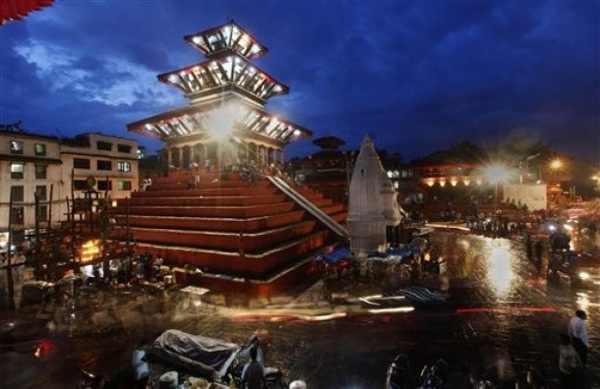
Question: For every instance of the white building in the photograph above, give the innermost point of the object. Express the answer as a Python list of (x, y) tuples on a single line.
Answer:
[(29, 165), (372, 203), (57, 170), (106, 164)]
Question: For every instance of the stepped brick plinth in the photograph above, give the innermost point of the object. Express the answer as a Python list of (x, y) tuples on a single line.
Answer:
[(234, 226), (243, 236)]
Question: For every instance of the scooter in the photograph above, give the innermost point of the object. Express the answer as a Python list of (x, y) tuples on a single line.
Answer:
[(398, 374), (88, 380), (434, 376)]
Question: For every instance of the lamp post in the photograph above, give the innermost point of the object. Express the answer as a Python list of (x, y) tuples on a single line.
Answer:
[(555, 165)]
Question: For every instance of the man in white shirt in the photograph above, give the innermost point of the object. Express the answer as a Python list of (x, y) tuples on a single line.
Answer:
[(579, 335), (141, 370)]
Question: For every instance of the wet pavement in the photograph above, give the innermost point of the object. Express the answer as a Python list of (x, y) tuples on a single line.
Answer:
[(501, 314)]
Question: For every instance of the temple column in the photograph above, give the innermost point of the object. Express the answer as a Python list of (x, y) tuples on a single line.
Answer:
[(169, 157)]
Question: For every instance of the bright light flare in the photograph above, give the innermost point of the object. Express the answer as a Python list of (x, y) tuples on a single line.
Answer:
[(500, 273), (555, 164), (221, 122), (391, 310), (496, 173), (89, 250), (506, 310)]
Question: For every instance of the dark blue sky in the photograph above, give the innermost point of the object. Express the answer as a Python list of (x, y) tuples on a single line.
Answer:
[(415, 75)]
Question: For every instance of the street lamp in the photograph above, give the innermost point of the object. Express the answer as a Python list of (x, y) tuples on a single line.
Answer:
[(556, 164)]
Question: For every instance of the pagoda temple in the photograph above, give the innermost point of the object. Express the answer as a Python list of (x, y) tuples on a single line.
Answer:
[(226, 216), (225, 121)]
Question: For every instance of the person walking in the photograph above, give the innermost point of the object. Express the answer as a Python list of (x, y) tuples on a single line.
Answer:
[(579, 335), (569, 364)]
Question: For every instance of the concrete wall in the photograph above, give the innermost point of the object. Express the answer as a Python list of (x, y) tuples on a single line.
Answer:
[(532, 195)]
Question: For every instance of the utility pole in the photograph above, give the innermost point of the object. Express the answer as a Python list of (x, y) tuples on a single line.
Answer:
[(9, 274)]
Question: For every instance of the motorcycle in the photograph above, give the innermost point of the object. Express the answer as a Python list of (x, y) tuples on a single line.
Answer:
[(434, 376), (398, 374), (89, 380)]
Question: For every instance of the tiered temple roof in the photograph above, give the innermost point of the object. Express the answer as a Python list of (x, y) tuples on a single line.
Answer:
[(227, 38), (226, 85)]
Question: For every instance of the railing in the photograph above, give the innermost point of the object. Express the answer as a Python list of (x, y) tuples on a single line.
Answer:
[(310, 207)]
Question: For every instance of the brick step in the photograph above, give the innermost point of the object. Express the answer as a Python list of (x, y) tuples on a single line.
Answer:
[(209, 191), (231, 262), (214, 201), (217, 223), (199, 200), (211, 211), (219, 240), (185, 178)]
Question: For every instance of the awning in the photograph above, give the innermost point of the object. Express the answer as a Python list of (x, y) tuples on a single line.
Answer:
[(18, 9)]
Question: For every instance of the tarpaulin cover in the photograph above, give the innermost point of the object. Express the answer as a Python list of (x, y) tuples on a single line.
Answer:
[(198, 355), (404, 251), (336, 256)]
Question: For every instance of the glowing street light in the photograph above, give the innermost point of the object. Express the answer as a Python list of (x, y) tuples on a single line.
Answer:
[(556, 164)]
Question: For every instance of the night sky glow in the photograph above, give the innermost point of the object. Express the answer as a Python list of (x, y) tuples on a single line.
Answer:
[(415, 75)]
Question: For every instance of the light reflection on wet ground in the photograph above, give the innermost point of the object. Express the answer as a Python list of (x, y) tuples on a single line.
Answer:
[(515, 318)]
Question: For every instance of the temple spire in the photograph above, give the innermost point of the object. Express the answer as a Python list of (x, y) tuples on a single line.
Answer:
[(372, 201)]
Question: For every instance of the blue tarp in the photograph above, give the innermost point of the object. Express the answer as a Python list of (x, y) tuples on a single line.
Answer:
[(335, 256), (404, 251)]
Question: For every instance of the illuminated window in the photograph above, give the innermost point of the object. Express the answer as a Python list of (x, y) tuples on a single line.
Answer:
[(40, 149), (41, 172), (16, 147), (124, 185), (123, 166), (16, 170)]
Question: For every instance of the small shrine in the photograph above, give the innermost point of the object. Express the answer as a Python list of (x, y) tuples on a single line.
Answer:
[(372, 205)]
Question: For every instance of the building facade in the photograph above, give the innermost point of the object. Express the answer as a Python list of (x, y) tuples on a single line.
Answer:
[(105, 164), (30, 174), (40, 174)]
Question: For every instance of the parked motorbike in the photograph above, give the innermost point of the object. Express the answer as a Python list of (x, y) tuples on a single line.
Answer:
[(434, 376), (399, 374), (89, 380)]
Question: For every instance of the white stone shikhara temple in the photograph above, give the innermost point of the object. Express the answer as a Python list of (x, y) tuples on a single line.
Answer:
[(372, 203)]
